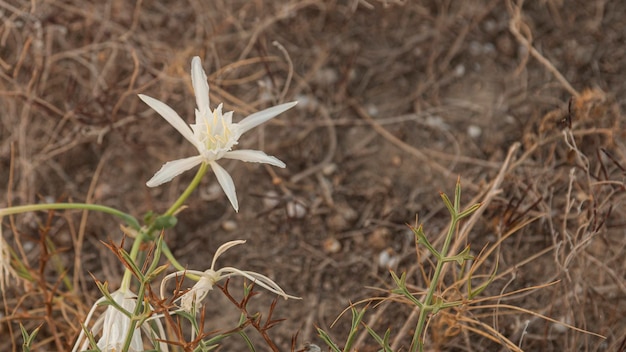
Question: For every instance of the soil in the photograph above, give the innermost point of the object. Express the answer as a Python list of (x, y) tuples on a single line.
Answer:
[(520, 101)]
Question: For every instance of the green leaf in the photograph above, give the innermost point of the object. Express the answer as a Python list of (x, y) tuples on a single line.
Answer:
[(148, 218), (457, 195), (461, 257), (329, 342), (469, 210), (357, 317), (421, 239), (154, 270), (383, 342), (448, 204), (131, 264), (165, 222), (473, 293), (247, 340), (28, 338), (402, 289), (439, 303)]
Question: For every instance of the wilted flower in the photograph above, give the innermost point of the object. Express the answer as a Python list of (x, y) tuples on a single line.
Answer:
[(213, 134), (209, 277), (113, 326)]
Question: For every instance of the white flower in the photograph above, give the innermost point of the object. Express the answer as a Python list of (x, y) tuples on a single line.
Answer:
[(214, 134), (113, 325), (208, 278)]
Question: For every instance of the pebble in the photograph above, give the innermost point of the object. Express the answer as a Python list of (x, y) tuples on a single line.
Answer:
[(229, 225), (331, 245)]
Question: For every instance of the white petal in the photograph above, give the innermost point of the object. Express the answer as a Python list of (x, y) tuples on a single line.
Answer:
[(196, 294), (116, 324), (81, 345), (176, 275), (223, 248), (170, 116), (228, 118), (172, 169), (258, 279), (260, 117), (200, 85), (254, 156), (224, 179)]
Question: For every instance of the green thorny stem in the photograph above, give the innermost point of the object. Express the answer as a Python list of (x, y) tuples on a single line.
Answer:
[(455, 216)]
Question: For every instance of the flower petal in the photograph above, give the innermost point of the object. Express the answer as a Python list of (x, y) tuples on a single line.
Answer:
[(224, 179), (170, 116), (176, 275), (223, 248), (258, 279), (172, 169), (260, 117), (254, 156), (82, 342), (116, 324), (200, 86), (193, 297)]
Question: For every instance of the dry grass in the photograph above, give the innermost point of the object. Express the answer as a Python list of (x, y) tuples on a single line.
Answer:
[(397, 99)]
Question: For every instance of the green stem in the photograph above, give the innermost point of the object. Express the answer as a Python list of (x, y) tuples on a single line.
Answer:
[(192, 186), (129, 219), (171, 258), (147, 233), (168, 254), (140, 298), (421, 321)]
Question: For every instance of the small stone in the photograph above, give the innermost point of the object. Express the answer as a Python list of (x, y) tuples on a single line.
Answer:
[(326, 76), (295, 210), (229, 225), (271, 200), (348, 213), (379, 237), (474, 131), (331, 245), (308, 347), (337, 223), (372, 110), (396, 160), (388, 259), (459, 70), (329, 169)]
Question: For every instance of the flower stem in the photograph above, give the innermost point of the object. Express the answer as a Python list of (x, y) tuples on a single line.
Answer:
[(170, 256), (129, 219), (144, 233), (192, 186)]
